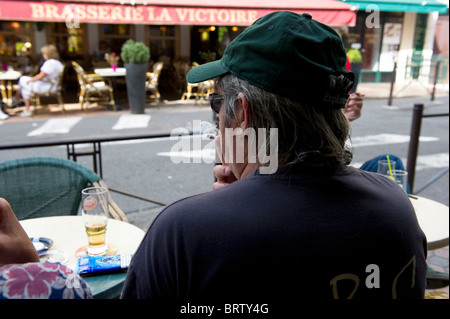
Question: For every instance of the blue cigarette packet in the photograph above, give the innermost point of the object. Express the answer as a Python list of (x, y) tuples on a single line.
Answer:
[(91, 265)]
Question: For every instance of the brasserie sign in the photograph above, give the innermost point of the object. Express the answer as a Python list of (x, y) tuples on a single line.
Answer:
[(109, 13), (75, 13)]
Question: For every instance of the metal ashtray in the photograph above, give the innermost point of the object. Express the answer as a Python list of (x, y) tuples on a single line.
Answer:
[(41, 243)]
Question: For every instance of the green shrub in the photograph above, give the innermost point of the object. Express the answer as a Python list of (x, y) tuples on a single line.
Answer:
[(135, 52)]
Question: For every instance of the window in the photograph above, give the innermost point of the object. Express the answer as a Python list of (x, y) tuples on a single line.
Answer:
[(15, 39), (163, 41), (71, 42), (113, 36), (209, 42)]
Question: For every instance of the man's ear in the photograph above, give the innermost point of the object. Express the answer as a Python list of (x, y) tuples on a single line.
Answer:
[(244, 112)]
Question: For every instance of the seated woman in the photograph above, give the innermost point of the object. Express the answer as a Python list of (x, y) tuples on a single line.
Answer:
[(41, 281), (23, 276), (41, 82)]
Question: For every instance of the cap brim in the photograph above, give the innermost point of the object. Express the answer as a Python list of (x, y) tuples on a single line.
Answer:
[(206, 71)]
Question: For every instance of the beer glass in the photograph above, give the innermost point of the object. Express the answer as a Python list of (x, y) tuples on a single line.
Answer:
[(401, 177), (94, 201)]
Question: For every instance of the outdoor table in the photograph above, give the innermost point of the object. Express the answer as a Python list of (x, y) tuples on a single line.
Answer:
[(433, 219), (7, 88), (109, 72), (68, 235)]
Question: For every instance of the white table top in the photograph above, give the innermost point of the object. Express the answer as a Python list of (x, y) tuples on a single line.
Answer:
[(109, 72), (433, 219), (68, 234), (10, 75)]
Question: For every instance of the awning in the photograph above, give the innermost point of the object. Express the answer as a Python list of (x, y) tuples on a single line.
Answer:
[(419, 6), (171, 12)]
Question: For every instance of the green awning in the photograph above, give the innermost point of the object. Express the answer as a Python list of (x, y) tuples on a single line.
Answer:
[(420, 6)]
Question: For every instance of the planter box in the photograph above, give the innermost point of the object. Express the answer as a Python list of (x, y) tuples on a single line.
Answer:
[(135, 79)]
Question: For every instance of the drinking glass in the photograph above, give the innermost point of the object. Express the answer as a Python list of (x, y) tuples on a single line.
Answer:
[(399, 176), (383, 166), (94, 201)]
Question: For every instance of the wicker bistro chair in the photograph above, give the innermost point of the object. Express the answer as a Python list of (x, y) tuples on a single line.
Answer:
[(54, 90), (151, 85), (93, 88), (198, 90), (47, 186)]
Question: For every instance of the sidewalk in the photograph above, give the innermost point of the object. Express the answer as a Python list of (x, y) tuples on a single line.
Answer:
[(411, 89), (369, 90)]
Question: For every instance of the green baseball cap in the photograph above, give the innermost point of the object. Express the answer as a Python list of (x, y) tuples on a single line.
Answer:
[(285, 53)]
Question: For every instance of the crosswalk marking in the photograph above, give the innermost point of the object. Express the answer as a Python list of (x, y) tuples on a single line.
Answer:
[(64, 125), (438, 160), (207, 155), (381, 139), (56, 126), (128, 121)]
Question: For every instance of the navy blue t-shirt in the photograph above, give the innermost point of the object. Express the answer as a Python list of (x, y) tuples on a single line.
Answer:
[(286, 236)]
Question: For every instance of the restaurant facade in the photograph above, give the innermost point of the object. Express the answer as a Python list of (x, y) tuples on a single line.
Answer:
[(199, 30), (408, 35)]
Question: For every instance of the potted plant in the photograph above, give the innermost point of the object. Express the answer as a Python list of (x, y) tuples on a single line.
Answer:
[(135, 56)]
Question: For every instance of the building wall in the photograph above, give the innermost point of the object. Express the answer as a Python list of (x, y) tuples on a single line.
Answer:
[(406, 46)]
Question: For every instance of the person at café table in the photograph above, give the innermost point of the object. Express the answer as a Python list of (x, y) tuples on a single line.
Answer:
[(41, 82), (23, 276), (298, 223)]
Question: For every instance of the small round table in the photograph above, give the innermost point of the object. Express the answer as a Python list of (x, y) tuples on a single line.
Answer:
[(433, 219), (68, 235)]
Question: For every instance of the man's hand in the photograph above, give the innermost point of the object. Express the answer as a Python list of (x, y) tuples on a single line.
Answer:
[(353, 106), (224, 176)]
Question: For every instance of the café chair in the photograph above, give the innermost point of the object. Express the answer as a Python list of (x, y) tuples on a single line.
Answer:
[(437, 295), (198, 90), (151, 85), (93, 88), (181, 69), (46, 186), (55, 90)]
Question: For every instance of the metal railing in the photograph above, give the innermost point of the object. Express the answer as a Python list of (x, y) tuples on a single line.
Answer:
[(431, 70), (414, 147)]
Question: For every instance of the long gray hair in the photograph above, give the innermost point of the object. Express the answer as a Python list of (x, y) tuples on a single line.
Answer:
[(310, 136)]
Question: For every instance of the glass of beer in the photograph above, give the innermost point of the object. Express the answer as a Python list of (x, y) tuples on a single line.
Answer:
[(94, 202)]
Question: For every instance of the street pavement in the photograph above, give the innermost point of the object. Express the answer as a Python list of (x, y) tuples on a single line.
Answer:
[(166, 170)]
